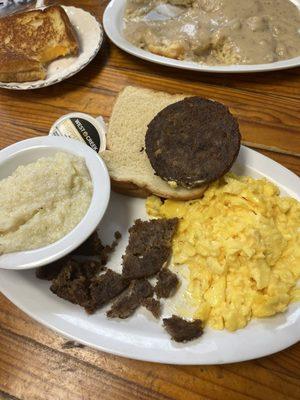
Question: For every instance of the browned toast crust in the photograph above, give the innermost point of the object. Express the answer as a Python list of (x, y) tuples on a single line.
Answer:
[(18, 35), (70, 31), (19, 68), (33, 38), (23, 76), (130, 189), (10, 61)]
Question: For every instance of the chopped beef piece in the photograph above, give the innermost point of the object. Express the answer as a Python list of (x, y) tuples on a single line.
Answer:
[(131, 299), (153, 306), (73, 281), (151, 234), (147, 265), (104, 288), (74, 276), (181, 330), (50, 271), (114, 244), (91, 268), (91, 247), (149, 247), (167, 283), (117, 235), (71, 285)]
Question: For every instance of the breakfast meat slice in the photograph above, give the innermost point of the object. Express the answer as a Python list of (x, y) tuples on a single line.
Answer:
[(137, 266), (167, 283), (90, 268), (131, 299), (149, 247), (117, 236), (50, 271), (152, 305), (193, 142), (72, 283), (104, 288), (181, 330), (86, 268), (92, 246), (145, 235)]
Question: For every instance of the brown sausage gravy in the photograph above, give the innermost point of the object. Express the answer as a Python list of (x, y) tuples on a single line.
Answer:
[(215, 32)]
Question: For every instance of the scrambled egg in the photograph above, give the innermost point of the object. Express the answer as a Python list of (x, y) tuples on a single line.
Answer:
[(241, 243)]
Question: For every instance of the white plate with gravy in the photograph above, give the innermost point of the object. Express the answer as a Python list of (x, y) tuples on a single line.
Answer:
[(113, 22)]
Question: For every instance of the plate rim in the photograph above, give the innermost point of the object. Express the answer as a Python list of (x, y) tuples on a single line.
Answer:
[(135, 356), (111, 15), (169, 356), (48, 82)]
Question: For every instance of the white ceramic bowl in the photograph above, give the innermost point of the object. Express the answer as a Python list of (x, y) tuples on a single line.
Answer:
[(30, 150)]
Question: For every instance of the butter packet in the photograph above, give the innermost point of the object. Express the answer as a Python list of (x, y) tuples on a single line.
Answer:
[(82, 127)]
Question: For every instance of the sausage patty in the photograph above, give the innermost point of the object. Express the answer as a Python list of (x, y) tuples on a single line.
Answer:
[(193, 141)]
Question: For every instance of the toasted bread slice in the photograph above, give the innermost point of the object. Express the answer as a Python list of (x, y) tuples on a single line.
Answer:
[(127, 162), (43, 35), (19, 68)]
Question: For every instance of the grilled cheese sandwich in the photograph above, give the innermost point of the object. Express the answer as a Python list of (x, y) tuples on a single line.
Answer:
[(32, 39), (19, 68)]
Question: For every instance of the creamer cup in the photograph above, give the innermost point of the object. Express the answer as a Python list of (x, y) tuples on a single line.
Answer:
[(82, 127)]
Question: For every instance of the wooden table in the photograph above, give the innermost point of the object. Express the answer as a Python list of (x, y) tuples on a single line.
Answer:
[(35, 363)]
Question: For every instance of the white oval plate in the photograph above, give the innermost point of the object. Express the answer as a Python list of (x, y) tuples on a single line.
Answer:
[(141, 337), (113, 25), (90, 35)]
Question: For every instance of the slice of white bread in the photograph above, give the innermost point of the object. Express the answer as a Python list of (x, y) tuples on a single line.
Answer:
[(127, 162)]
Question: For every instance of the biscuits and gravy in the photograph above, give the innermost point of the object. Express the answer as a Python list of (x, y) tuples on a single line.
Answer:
[(215, 32)]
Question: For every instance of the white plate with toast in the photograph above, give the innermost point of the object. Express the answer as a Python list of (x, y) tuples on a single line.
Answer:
[(90, 36), (113, 25), (141, 336)]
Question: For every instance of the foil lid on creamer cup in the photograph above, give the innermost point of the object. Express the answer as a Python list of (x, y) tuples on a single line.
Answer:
[(83, 127)]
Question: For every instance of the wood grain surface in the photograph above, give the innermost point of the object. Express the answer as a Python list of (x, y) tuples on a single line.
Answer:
[(36, 363)]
